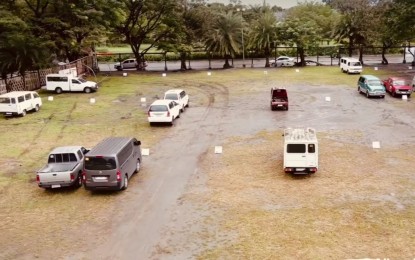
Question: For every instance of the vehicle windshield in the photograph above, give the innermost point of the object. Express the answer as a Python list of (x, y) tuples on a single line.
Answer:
[(399, 83), (4, 100), (155, 108), (82, 80), (171, 96), (374, 82), (100, 163)]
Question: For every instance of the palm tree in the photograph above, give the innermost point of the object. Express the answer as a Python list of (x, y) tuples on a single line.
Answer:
[(224, 36), (263, 33)]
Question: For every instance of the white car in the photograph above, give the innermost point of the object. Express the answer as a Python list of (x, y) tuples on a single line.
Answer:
[(283, 61), (163, 111), (178, 95), (19, 103)]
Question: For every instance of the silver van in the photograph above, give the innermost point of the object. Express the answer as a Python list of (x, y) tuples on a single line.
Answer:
[(111, 163)]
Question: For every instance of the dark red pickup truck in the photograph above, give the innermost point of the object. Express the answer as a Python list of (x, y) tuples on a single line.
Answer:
[(397, 86), (279, 98)]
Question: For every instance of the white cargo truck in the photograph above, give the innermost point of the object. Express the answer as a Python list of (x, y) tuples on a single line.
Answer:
[(62, 82), (300, 150)]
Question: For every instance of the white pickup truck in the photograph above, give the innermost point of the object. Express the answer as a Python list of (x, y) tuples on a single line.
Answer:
[(64, 168)]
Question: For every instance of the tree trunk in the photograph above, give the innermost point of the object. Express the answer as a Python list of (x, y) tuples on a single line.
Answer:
[(183, 61), (350, 46), (384, 60), (361, 54), (227, 65), (302, 56), (267, 54)]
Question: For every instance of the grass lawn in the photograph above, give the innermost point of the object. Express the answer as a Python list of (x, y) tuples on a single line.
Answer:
[(322, 219)]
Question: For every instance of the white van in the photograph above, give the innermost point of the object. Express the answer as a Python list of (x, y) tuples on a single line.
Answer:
[(300, 150), (61, 82), (178, 95), (350, 65), (19, 103)]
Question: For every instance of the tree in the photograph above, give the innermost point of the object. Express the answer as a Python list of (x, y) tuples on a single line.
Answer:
[(147, 21), (225, 36), (263, 33), (305, 25)]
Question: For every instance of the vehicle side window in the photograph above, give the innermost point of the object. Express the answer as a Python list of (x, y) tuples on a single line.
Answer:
[(13, 101), (171, 105), (182, 94), (125, 153), (311, 148), (72, 157), (74, 81), (296, 148), (57, 79), (28, 96), (5, 100), (20, 99), (35, 95)]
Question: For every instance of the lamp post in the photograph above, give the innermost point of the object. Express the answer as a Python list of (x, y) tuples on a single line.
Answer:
[(242, 29)]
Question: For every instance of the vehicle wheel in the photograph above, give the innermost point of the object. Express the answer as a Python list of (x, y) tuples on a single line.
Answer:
[(367, 94), (286, 108), (125, 182), (87, 90), (393, 93), (383, 96), (172, 119), (23, 113), (358, 89), (78, 182), (58, 90), (409, 95), (187, 105), (37, 108), (182, 110), (178, 115), (137, 168)]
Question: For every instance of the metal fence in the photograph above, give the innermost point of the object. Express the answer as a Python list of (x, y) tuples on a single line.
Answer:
[(33, 80)]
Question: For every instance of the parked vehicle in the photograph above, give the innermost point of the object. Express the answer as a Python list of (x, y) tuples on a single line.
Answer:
[(371, 86), (163, 111), (397, 86), (279, 98), (300, 150), (64, 168), (413, 84), (129, 64), (19, 103), (351, 65), (62, 82), (178, 95), (111, 163), (283, 61)]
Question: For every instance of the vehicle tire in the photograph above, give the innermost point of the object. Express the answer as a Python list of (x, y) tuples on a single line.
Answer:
[(409, 95), (171, 123), (286, 108), (187, 105), (182, 109), (78, 182), (178, 115), (393, 93), (36, 109), (58, 90), (367, 94), (383, 96), (125, 182), (23, 113), (358, 89), (137, 167), (87, 90)]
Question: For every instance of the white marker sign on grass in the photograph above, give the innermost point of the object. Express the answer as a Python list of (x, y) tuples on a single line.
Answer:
[(124, 74), (92, 100), (375, 68), (143, 100), (297, 70), (209, 73), (218, 149), (145, 151), (404, 97), (328, 99), (50, 98), (376, 145), (265, 72), (164, 75)]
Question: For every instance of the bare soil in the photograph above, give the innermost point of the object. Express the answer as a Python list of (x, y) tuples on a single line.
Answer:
[(189, 203)]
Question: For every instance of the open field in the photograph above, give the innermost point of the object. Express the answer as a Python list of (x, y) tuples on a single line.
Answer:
[(238, 205)]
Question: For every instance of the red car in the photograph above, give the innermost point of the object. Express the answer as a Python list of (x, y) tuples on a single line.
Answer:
[(279, 98), (397, 86)]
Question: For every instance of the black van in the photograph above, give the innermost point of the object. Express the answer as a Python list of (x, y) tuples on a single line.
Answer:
[(111, 163)]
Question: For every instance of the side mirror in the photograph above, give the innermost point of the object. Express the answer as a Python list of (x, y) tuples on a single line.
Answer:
[(137, 142)]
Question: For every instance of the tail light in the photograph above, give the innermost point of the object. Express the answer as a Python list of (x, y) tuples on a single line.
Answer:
[(37, 178), (313, 170), (168, 113), (84, 176), (118, 176), (148, 113), (72, 177), (287, 169)]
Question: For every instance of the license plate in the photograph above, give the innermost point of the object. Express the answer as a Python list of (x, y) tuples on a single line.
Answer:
[(279, 105), (299, 169), (54, 186), (99, 179)]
